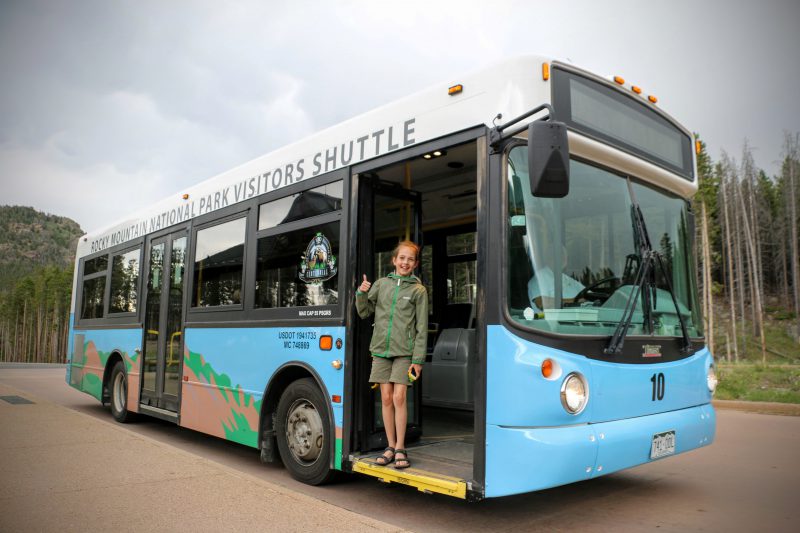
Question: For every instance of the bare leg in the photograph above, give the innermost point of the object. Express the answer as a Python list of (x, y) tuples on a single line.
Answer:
[(387, 409), (400, 414)]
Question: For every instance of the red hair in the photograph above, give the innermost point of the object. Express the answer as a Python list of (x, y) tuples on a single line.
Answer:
[(407, 244)]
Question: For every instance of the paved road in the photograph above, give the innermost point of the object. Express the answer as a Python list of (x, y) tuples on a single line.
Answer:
[(747, 481)]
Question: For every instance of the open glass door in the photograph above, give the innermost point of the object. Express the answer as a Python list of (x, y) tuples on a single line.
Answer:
[(387, 215), (441, 433), (163, 322)]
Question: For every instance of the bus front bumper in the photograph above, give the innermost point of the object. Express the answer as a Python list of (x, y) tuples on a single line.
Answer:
[(521, 460)]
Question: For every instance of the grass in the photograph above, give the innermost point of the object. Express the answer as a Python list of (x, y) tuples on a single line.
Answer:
[(781, 347), (760, 383), (749, 379)]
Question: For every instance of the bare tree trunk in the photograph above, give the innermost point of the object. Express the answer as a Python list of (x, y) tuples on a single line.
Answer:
[(4, 336), (749, 218), (728, 347), (791, 148), (15, 338), (756, 304), (24, 353), (782, 260), (729, 256), (708, 302), (739, 272), (40, 331)]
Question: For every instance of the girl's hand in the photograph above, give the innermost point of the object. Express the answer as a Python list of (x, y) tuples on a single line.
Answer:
[(365, 285)]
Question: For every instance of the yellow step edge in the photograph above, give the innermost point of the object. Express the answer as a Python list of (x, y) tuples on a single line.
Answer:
[(423, 480)]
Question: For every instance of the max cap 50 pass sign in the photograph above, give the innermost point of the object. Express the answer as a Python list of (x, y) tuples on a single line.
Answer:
[(319, 262)]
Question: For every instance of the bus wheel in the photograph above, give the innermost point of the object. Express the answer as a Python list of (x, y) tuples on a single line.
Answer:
[(119, 393), (303, 431)]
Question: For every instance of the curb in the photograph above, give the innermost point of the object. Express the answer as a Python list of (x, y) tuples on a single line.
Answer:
[(762, 408), (33, 365)]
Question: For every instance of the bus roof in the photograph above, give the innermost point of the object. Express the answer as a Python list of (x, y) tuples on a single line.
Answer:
[(512, 87)]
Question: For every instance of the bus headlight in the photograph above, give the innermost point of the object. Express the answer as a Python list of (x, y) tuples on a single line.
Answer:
[(712, 380), (574, 393)]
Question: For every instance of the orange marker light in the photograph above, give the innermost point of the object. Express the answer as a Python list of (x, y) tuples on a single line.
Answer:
[(325, 342), (547, 368), (698, 147), (455, 89), (636, 89), (545, 71), (185, 196), (336, 398), (619, 80), (652, 98)]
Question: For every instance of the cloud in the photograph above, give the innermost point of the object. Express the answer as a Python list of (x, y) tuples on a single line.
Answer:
[(168, 94), (93, 195)]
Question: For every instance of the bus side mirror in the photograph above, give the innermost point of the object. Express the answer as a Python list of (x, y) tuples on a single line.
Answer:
[(548, 159)]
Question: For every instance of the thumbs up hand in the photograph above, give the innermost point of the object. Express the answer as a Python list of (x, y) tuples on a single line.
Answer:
[(365, 285)]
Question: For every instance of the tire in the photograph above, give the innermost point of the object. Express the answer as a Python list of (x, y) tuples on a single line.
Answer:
[(303, 430), (119, 394)]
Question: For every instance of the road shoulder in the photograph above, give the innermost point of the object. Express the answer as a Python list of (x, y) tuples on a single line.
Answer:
[(65, 470)]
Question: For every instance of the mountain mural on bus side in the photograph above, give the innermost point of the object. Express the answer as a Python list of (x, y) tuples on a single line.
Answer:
[(88, 367), (210, 404)]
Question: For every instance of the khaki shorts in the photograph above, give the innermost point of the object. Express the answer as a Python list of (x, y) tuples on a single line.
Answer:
[(390, 370)]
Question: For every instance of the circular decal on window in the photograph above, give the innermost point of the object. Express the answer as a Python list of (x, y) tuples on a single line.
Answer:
[(319, 263)]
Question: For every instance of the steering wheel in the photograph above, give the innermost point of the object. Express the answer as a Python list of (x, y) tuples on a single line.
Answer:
[(590, 293)]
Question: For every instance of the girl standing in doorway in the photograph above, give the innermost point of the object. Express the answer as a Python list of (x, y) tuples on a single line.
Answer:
[(399, 342)]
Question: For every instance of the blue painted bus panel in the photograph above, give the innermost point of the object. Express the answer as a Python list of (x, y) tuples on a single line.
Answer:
[(226, 371), (526, 459), (626, 443), (532, 443), (521, 460), (616, 391)]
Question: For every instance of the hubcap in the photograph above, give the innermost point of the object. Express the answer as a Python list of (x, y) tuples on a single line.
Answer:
[(304, 433), (120, 392)]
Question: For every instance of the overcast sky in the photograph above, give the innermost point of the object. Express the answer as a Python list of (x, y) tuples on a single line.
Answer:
[(109, 106)]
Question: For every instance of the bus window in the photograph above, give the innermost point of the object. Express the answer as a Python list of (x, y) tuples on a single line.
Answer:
[(283, 279), (218, 261), (94, 288), (124, 282), (461, 268), (93, 291), (318, 201)]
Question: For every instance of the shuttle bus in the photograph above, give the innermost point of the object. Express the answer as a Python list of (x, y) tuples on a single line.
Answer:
[(565, 338)]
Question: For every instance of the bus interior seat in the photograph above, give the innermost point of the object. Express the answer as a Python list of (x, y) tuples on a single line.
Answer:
[(450, 376)]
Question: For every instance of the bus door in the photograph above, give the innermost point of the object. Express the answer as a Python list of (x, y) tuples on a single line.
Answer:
[(163, 321), (387, 214)]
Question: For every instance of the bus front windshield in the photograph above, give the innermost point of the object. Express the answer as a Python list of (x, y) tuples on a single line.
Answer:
[(572, 262)]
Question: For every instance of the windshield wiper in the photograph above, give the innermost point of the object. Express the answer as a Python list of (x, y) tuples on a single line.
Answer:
[(642, 274), (645, 283)]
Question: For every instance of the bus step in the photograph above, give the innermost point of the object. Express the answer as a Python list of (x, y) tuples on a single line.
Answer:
[(423, 480)]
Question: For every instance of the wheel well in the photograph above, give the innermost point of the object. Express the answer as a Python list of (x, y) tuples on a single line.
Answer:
[(272, 396), (112, 360)]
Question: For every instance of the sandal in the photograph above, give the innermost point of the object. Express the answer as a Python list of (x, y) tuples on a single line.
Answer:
[(384, 459), (404, 460)]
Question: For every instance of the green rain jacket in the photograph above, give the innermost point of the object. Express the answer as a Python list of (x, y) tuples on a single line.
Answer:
[(400, 304)]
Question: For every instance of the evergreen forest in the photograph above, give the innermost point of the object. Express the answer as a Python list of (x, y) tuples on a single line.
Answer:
[(37, 252)]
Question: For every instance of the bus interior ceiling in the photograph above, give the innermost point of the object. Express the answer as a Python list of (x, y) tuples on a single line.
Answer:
[(447, 185)]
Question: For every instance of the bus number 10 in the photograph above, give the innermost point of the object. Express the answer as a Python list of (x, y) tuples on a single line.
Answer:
[(659, 383)]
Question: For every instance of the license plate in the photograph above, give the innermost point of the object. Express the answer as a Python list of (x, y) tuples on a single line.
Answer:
[(663, 444)]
